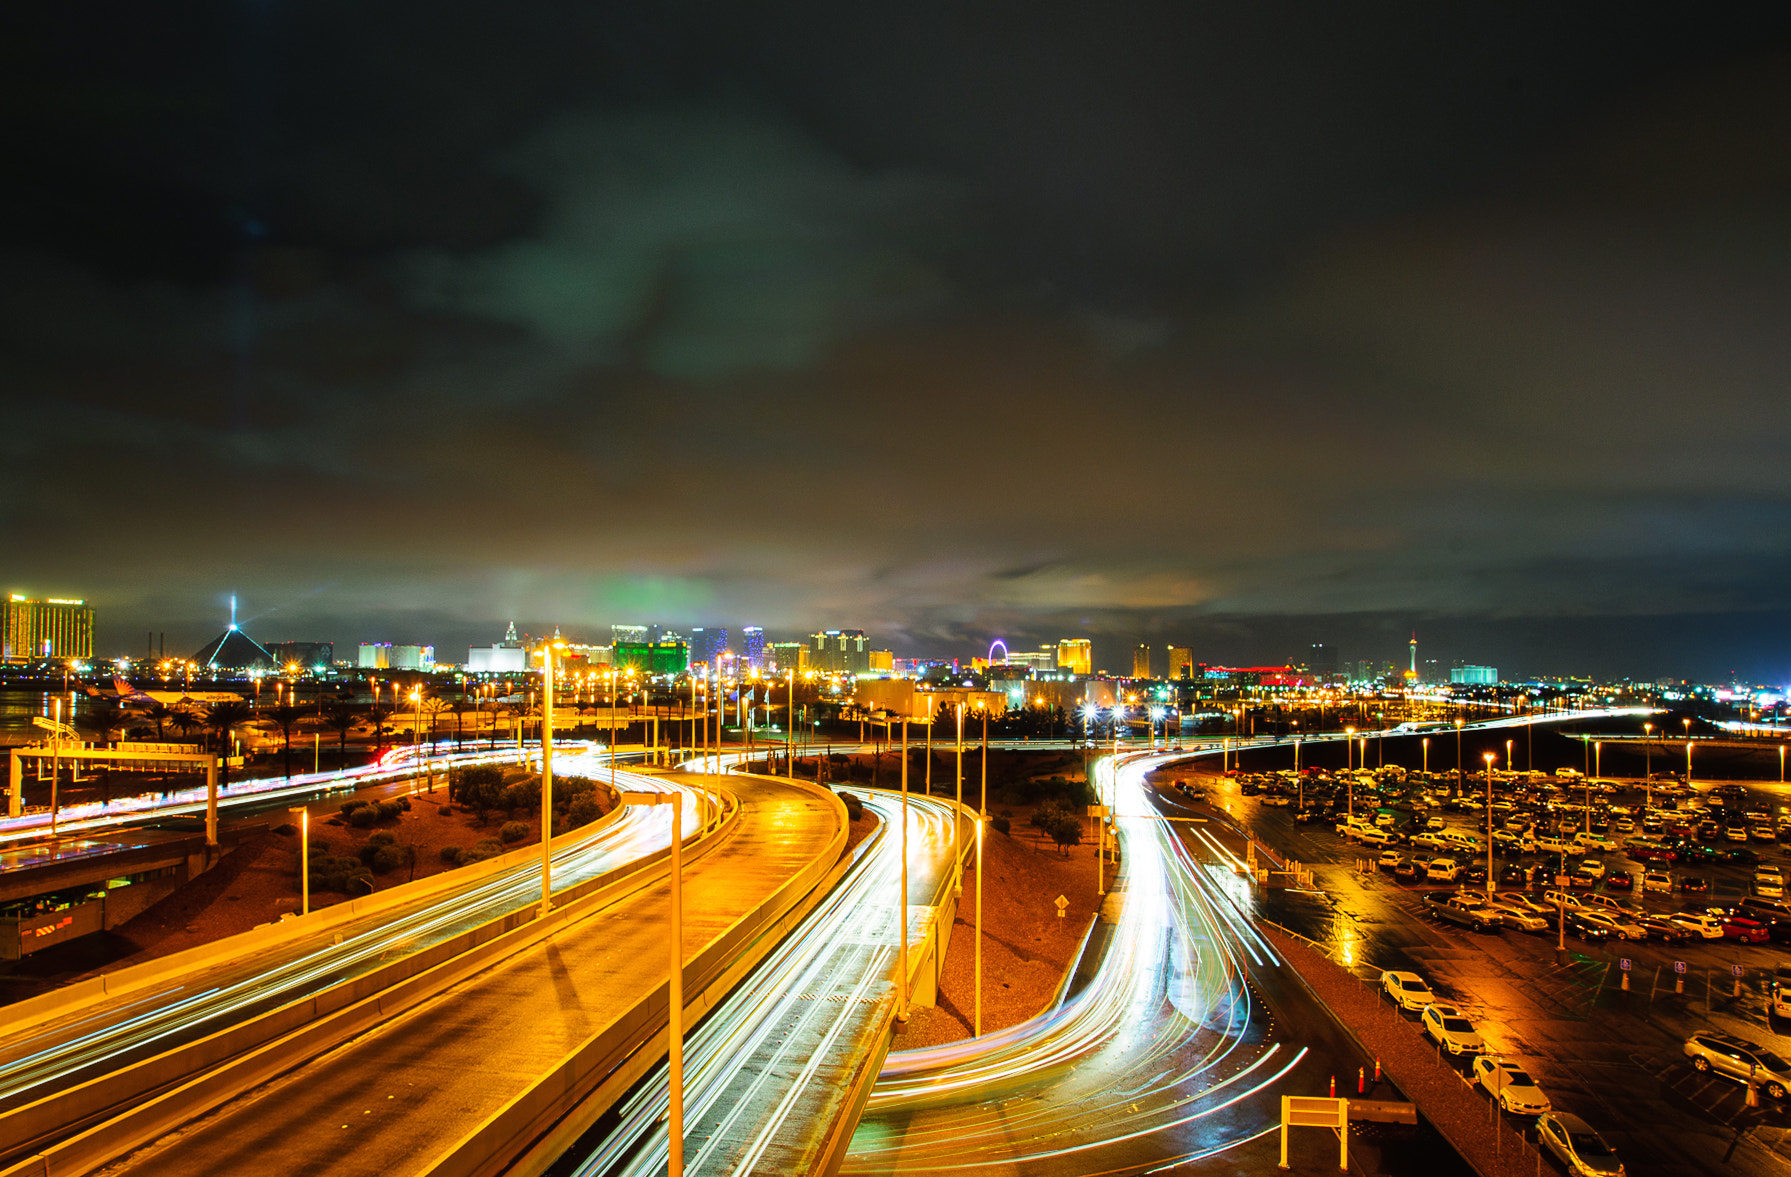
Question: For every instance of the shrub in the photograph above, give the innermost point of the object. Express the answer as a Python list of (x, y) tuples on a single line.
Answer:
[(521, 795), (1000, 825), (476, 786), (382, 838), (447, 811), (484, 848), (349, 807), (319, 848), (339, 874), (286, 829), (854, 807), (583, 811), (452, 855), (388, 857), (363, 817), (514, 831), (404, 804), (389, 810)]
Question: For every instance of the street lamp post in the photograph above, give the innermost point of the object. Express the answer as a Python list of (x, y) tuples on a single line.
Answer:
[(1647, 757), (982, 810), (902, 926), (675, 978), (1426, 744), (1688, 776), (957, 818), (790, 763)]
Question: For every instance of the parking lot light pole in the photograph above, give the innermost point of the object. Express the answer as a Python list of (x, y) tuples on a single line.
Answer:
[(1426, 743), (1688, 745), (1458, 778), (1489, 871)]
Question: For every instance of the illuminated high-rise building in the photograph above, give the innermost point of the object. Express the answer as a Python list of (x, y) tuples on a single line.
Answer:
[(789, 656), (1181, 663), (840, 651), (1075, 655), (708, 643), (1141, 662), (634, 634), (752, 647), (53, 628)]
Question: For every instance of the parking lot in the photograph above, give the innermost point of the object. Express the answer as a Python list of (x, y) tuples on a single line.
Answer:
[(1609, 1052)]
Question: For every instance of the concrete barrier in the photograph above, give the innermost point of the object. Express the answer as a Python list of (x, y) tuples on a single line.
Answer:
[(285, 1037)]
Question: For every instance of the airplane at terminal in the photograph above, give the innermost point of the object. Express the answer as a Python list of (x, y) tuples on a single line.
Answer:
[(127, 695)]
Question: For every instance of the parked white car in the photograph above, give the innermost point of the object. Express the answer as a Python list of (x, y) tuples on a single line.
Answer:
[(1511, 1085), (1450, 1027), (1408, 990)]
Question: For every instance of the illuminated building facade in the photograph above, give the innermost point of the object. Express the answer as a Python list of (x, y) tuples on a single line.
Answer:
[(882, 661), (752, 647), (1075, 656), (505, 657), (652, 657), (1474, 675), (840, 651), (788, 656), (304, 655), (1044, 658), (1141, 662), (53, 628), (1181, 663), (636, 634), (387, 656), (708, 644)]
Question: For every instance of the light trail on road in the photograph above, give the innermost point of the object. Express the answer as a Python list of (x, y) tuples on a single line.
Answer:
[(93, 817), (37, 1060), (1155, 1062), (747, 1064)]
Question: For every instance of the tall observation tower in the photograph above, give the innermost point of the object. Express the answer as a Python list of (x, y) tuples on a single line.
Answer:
[(1411, 673)]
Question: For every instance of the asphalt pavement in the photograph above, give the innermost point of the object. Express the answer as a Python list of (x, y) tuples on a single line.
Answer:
[(1611, 1055)]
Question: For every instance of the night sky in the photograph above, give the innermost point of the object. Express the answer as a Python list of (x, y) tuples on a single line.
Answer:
[(1243, 325)]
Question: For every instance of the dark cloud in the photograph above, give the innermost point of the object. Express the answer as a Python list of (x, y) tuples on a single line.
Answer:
[(1233, 322)]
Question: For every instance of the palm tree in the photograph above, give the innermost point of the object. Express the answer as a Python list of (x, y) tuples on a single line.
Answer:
[(341, 720), (186, 721), (287, 716), (103, 716), (223, 719), (377, 716), (161, 713), (462, 708)]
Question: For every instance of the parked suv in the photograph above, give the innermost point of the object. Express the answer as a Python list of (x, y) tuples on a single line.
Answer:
[(1736, 1058)]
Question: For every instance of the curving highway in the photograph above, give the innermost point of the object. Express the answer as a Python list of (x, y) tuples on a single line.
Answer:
[(1167, 1055)]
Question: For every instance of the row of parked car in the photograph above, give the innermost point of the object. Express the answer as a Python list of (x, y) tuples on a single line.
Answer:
[(1574, 1142)]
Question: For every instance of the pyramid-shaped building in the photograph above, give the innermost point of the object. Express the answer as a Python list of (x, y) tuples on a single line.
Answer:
[(234, 650)]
